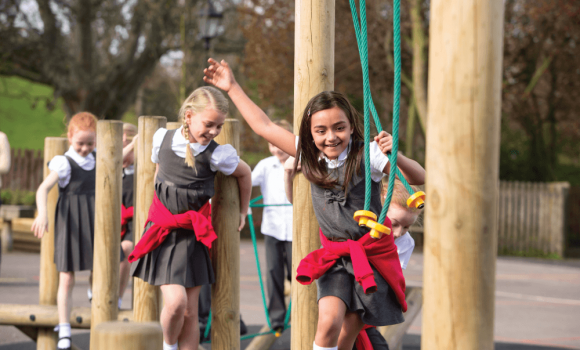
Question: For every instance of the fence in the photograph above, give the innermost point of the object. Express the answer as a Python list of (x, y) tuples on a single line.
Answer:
[(25, 171), (532, 218)]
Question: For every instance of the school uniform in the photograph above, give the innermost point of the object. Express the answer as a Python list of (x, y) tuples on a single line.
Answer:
[(128, 198), (334, 211), (181, 259), (277, 230), (75, 211)]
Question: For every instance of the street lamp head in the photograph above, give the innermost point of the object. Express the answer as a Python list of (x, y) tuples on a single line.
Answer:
[(209, 22)]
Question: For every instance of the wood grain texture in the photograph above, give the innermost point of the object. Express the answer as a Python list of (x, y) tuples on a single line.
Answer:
[(47, 316), (462, 163), (146, 298), (117, 335), (313, 73), (107, 239), (48, 283), (173, 125), (225, 252)]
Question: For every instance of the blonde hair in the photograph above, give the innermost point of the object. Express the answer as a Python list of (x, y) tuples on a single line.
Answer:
[(400, 195), (82, 121), (130, 130), (200, 99)]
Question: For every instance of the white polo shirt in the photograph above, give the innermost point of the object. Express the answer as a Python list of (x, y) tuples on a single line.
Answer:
[(405, 245), (61, 166), (277, 220)]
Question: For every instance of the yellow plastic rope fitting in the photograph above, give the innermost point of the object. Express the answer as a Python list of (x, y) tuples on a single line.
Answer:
[(417, 200), (369, 219)]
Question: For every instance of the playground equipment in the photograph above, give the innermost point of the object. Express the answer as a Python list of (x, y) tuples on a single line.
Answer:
[(465, 62), (127, 336)]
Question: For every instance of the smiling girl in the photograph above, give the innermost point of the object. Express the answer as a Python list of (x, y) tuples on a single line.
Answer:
[(187, 161), (330, 146)]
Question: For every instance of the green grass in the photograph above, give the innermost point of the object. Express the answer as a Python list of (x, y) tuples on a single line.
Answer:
[(24, 116)]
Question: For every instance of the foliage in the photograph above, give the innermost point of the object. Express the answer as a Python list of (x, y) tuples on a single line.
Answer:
[(18, 197), (28, 113)]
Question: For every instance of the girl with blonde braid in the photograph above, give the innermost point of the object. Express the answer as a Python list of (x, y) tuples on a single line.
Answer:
[(187, 161)]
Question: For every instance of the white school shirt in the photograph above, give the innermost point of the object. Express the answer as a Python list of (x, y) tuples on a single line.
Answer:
[(224, 158), (129, 170), (61, 166), (378, 160), (276, 221), (405, 245)]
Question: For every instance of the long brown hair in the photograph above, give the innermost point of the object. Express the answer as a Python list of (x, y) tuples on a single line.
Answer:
[(315, 169)]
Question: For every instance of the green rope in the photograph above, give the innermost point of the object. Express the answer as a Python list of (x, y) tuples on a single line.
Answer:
[(361, 36), (253, 204)]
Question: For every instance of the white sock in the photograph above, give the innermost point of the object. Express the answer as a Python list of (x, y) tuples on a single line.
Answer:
[(120, 302), (63, 331), (169, 347), (316, 347)]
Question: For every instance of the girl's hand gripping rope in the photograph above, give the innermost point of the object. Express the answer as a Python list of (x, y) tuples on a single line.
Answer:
[(384, 141)]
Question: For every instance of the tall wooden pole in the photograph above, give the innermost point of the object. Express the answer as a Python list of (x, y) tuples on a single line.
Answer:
[(107, 241), (465, 64), (313, 73), (48, 284), (173, 125), (146, 298), (225, 252)]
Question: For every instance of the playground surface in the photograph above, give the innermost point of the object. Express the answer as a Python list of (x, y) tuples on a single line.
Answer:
[(537, 304)]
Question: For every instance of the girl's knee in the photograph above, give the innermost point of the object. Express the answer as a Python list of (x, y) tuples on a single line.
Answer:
[(329, 324), (175, 306)]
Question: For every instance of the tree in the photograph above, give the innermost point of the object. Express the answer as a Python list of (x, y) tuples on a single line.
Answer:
[(95, 54)]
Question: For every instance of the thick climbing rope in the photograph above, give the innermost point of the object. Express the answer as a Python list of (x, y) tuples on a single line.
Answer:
[(361, 38), (253, 204)]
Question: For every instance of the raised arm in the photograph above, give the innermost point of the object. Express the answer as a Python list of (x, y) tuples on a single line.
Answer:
[(130, 147), (244, 175), (221, 75), (40, 224)]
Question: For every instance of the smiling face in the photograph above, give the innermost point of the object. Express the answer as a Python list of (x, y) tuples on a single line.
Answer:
[(83, 141), (401, 219), (204, 126), (331, 131)]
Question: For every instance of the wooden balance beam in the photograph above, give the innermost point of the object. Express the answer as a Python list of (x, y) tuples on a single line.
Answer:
[(47, 316)]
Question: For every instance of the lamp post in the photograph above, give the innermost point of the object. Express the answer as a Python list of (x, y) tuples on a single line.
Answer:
[(209, 23)]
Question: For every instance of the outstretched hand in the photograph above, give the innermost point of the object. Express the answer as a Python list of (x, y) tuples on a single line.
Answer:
[(384, 141), (219, 74), (242, 221)]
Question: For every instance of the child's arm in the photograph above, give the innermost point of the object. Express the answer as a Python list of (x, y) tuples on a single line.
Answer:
[(289, 177), (411, 170), (130, 147), (221, 75), (244, 175), (40, 224)]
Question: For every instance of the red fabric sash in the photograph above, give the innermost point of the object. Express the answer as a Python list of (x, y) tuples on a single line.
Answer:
[(362, 339), (126, 215), (164, 222), (382, 253)]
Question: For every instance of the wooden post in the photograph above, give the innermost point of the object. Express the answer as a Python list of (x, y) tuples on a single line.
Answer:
[(225, 252), (465, 66), (173, 125), (117, 335), (146, 298), (48, 284), (313, 73), (107, 241)]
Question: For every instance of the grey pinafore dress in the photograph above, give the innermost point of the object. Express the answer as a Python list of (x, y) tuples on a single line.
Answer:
[(335, 213), (127, 200), (180, 259), (75, 221)]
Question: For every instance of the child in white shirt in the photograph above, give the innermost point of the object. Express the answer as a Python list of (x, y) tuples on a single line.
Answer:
[(276, 228)]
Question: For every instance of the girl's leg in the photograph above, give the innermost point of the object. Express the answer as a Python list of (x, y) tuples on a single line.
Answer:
[(175, 299), (64, 296), (189, 337), (331, 312), (351, 326), (124, 268), (64, 305)]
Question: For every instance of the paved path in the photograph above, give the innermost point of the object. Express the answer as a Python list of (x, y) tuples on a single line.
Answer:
[(537, 301)]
